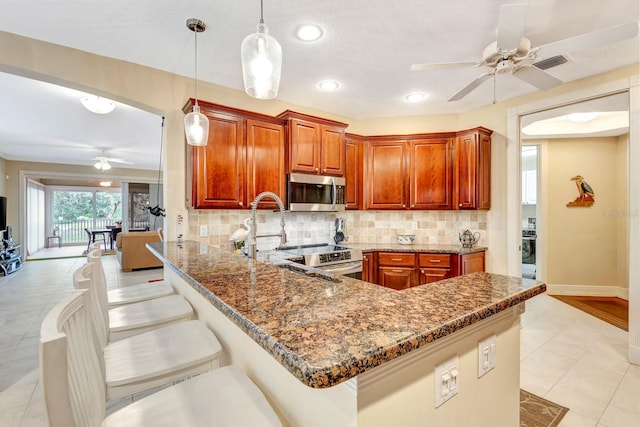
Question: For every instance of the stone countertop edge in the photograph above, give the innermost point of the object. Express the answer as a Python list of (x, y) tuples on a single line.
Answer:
[(322, 371), (416, 247)]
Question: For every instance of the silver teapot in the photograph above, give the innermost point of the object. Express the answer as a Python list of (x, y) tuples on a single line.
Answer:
[(468, 239)]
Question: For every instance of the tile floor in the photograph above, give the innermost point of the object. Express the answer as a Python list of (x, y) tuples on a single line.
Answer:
[(566, 356)]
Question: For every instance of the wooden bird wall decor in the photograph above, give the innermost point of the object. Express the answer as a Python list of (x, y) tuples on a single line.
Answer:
[(586, 196)]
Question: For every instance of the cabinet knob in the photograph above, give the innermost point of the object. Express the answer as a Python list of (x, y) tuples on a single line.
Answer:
[(316, 169), (460, 205), (404, 206), (413, 206), (421, 271), (240, 203)]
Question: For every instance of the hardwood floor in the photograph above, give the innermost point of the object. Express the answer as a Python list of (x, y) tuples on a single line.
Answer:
[(610, 309)]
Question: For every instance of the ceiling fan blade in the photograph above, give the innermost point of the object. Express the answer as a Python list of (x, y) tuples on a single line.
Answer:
[(119, 161), (589, 40), (536, 77), (471, 86), (443, 65), (512, 20)]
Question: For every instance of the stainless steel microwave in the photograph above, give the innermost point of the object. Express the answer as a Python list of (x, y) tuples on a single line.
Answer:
[(309, 193)]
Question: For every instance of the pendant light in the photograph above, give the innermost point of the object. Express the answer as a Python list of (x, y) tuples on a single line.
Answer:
[(196, 124), (261, 62)]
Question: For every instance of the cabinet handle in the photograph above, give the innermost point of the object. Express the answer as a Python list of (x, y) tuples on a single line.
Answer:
[(421, 271), (324, 170), (396, 271), (365, 258), (396, 259), (435, 261)]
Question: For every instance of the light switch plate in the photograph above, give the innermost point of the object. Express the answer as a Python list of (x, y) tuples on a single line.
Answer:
[(204, 230), (447, 380), (486, 355)]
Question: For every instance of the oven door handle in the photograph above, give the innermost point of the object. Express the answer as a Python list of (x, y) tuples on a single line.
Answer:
[(352, 267)]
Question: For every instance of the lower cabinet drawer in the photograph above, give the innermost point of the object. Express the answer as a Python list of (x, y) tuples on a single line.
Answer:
[(435, 260), (397, 258)]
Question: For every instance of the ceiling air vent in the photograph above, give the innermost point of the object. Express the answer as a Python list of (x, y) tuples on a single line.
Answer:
[(554, 61)]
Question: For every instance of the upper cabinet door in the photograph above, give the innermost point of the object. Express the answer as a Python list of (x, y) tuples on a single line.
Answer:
[(315, 145), (431, 174), (473, 170), (265, 161), (304, 146), (332, 150), (218, 168), (353, 173), (386, 175)]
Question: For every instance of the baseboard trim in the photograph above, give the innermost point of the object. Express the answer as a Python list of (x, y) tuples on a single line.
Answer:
[(589, 291)]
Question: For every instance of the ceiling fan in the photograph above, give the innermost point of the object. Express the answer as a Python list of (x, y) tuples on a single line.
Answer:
[(103, 162), (512, 52)]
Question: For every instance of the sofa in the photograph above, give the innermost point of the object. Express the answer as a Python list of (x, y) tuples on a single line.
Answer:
[(132, 253)]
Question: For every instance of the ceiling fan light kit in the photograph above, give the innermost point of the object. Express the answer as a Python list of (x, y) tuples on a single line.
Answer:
[(261, 56), (102, 165), (513, 54), (196, 124)]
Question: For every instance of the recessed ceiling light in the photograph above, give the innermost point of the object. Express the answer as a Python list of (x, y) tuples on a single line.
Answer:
[(105, 183), (416, 97), (97, 104), (582, 117), (309, 32), (328, 85)]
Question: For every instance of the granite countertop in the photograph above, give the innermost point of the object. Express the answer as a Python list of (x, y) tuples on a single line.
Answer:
[(416, 247), (326, 332)]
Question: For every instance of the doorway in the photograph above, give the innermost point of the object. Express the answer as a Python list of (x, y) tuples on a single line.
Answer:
[(529, 197)]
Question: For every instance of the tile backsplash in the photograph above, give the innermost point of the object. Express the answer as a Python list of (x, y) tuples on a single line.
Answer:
[(430, 227)]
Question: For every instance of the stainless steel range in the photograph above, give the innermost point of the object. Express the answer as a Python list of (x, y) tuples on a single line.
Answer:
[(333, 259)]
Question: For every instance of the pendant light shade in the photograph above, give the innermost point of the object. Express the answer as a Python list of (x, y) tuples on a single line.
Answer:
[(196, 127), (196, 124), (261, 62)]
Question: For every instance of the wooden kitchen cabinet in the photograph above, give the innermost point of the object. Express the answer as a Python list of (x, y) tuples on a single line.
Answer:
[(433, 267), (431, 174), (369, 267), (397, 278), (387, 176), (353, 195), (218, 169), (265, 161), (244, 156), (472, 263), (397, 270), (315, 145), (473, 169), (410, 174)]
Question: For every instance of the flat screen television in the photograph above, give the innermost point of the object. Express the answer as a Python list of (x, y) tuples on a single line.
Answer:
[(3, 213)]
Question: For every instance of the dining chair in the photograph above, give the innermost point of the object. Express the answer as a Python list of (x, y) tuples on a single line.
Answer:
[(130, 319), (75, 390), (95, 236), (133, 293)]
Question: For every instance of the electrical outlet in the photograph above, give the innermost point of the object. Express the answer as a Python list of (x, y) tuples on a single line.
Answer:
[(486, 355), (447, 378), (204, 230)]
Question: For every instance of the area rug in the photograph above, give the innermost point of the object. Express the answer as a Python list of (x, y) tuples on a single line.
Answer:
[(610, 309), (538, 412)]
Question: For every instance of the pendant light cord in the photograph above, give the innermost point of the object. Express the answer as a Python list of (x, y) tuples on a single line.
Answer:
[(261, 12), (195, 71)]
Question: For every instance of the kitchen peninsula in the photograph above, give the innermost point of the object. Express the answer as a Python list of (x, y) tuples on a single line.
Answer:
[(347, 352)]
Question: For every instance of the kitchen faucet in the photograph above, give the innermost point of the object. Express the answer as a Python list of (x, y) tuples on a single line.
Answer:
[(254, 206)]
